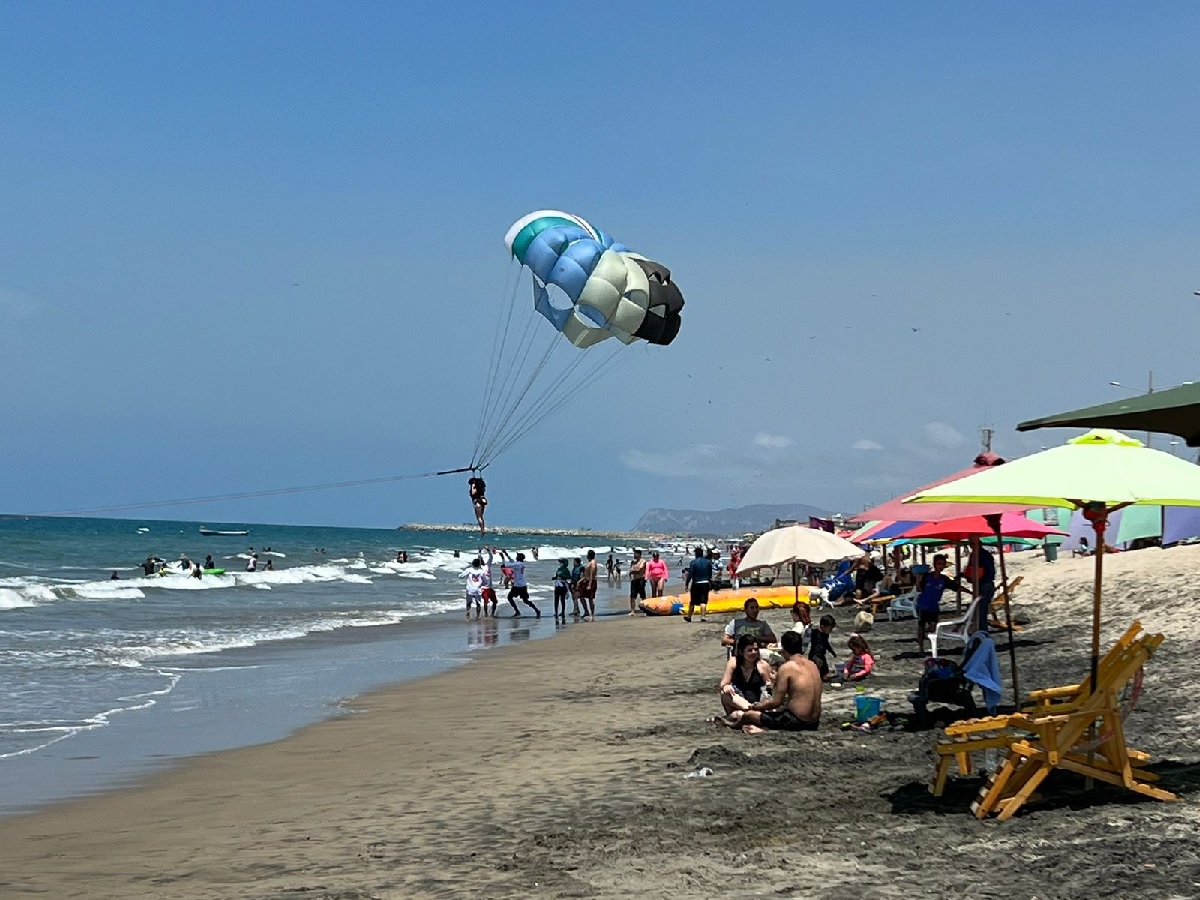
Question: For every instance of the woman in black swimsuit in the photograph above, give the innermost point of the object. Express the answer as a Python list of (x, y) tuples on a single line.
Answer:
[(747, 677)]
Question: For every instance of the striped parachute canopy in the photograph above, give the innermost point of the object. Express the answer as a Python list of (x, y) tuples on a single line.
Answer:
[(590, 287)]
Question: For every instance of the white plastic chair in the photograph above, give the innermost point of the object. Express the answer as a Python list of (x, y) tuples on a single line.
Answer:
[(959, 629), (903, 606)]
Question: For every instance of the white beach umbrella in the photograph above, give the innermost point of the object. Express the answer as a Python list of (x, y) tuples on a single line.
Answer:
[(796, 544)]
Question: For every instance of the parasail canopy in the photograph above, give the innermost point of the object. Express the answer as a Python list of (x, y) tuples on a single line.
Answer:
[(591, 288)]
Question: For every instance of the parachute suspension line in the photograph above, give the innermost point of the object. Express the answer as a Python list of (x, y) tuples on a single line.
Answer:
[(556, 398), (248, 495), (515, 409), (564, 382), (510, 404), (506, 383), (562, 389), (503, 321), (563, 394), (506, 296)]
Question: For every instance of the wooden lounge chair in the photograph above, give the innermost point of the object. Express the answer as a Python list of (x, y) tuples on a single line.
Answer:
[(1053, 733), (994, 732), (996, 610)]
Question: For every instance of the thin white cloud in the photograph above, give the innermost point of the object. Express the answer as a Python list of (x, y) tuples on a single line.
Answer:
[(772, 441), (944, 435), (866, 444)]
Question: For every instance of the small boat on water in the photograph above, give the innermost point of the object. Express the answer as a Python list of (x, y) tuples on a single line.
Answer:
[(210, 532)]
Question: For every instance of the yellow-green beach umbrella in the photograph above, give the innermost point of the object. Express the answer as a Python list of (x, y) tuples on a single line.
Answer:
[(1099, 472)]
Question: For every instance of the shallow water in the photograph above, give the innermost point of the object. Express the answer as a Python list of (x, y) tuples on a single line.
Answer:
[(102, 678)]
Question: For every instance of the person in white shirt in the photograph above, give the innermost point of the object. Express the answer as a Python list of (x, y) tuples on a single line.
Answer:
[(474, 590), (520, 587)]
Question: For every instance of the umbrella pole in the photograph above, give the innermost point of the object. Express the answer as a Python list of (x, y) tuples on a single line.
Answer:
[(1012, 646), (1098, 526), (1099, 518), (957, 569)]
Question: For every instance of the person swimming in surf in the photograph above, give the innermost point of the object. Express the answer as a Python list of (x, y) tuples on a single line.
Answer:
[(477, 487)]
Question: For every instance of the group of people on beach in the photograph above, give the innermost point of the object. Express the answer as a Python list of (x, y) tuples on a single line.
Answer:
[(575, 579), (480, 589), (861, 583), (776, 684)]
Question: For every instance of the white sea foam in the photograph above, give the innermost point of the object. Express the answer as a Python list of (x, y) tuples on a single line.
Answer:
[(10, 599), (103, 591)]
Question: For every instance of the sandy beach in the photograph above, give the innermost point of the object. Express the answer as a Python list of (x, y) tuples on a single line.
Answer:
[(556, 768)]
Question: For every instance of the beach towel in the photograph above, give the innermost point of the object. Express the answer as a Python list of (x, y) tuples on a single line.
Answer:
[(981, 666)]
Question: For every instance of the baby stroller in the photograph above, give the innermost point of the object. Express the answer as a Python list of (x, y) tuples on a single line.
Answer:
[(944, 681)]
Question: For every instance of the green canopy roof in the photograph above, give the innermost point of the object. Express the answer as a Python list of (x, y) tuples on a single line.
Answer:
[(1173, 411)]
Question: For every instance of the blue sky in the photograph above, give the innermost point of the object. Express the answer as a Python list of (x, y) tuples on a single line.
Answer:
[(250, 246)]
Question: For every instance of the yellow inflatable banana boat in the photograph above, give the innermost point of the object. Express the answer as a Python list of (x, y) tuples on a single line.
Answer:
[(723, 602)]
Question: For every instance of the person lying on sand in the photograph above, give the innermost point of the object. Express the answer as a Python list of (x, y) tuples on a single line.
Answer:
[(796, 703)]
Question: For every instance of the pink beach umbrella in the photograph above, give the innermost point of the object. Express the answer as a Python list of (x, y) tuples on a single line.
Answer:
[(896, 510)]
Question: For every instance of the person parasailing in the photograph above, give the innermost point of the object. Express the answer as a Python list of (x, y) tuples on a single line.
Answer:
[(478, 488)]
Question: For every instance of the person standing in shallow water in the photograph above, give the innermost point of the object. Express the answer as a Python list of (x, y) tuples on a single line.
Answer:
[(656, 571), (473, 592), (637, 581), (562, 585), (576, 574), (587, 587)]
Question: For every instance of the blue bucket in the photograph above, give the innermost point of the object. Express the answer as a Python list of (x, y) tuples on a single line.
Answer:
[(867, 707)]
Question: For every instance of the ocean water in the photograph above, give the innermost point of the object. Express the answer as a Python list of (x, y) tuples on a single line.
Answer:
[(102, 679)]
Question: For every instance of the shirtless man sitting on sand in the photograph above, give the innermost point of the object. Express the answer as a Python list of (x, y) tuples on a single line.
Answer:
[(796, 702)]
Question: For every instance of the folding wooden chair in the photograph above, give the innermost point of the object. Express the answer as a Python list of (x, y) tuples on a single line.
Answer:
[(1054, 734), (996, 609)]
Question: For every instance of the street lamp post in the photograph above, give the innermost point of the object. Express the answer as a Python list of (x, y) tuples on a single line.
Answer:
[(1149, 389)]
